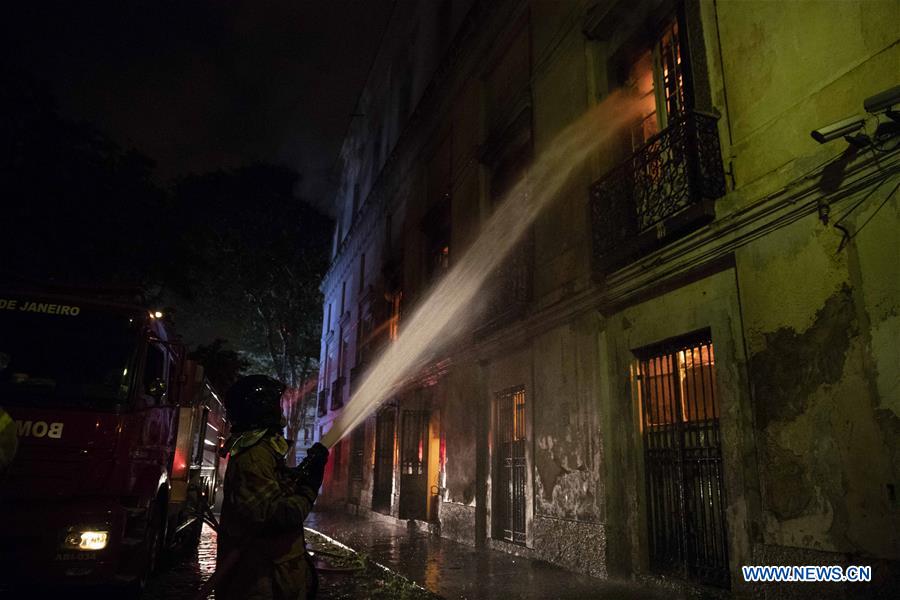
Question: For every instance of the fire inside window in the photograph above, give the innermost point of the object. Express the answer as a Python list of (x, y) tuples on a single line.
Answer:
[(681, 378), (657, 78), (396, 306)]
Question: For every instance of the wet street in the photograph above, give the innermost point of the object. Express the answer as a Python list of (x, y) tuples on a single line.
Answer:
[(446, 568), (182, 578), (458, 572), (343, 575)]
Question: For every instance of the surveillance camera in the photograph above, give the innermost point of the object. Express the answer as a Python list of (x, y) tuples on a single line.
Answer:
[(838, 129), (882, 100)]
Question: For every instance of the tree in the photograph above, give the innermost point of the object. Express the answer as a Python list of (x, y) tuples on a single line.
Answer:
[(222, 367), (256, 256)]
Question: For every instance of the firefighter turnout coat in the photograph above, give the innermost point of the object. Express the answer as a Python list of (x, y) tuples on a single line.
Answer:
[(8, 440), (262, 518)]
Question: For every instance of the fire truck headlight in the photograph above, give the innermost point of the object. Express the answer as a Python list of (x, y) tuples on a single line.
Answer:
[(87, 540), (93, 540)]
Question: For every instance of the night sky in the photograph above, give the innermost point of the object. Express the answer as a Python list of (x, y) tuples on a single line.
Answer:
[(203, 85)]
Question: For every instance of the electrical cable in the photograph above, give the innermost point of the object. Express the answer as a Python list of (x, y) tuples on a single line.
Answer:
[(875, 212), (868, 195)]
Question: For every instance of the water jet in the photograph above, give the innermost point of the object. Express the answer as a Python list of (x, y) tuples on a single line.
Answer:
[(443, 314)]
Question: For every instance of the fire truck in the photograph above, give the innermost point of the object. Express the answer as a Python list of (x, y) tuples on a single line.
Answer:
[(119, 434)]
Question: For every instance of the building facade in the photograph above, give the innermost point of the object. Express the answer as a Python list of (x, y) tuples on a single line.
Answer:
[(688, 363)]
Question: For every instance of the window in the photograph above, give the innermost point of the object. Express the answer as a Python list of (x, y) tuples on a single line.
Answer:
[(396, 312), (440, 257), (357, 458), (437, 231), (337, 238), (328, 319), (323, 402), (436, 221), (343, 358), (337, 387), (364, 334), (362, 273), (155, 372), (657, 76)]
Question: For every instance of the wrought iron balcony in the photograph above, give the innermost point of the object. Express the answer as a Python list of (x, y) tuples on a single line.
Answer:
[(323, 402), (663, 191), (337, 393)]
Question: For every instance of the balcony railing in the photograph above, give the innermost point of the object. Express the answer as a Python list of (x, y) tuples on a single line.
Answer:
[(337, 393), (323, 402), (664, 190)]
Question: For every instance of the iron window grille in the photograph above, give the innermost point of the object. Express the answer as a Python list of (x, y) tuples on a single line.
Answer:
[(414, 442)]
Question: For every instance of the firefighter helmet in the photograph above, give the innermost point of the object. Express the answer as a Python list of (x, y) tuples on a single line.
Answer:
[(254, 402)]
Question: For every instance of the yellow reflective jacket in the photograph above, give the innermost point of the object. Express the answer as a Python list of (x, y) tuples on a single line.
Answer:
[(8, 440), (262, 516)]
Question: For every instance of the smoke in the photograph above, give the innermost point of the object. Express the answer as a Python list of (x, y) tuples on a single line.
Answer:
[(447, 310)]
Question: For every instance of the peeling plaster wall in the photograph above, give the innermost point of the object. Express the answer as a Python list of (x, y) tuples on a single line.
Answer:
[(568, 494), (824, 381), (459, 431), (567, 436)]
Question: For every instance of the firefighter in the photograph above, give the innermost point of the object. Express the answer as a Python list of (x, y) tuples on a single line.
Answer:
[(8, 440), (260, 537)]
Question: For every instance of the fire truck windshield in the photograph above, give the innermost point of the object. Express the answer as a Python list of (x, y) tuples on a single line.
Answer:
[(65, 354)]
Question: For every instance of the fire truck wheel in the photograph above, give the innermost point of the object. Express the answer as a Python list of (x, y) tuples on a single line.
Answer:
[(155, 540)]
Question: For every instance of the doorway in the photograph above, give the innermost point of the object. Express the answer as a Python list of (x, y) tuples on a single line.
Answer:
[(508, 507), (414, 464), (384, 460)]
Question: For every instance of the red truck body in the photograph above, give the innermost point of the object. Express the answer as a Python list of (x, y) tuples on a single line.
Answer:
[(118, 439)]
